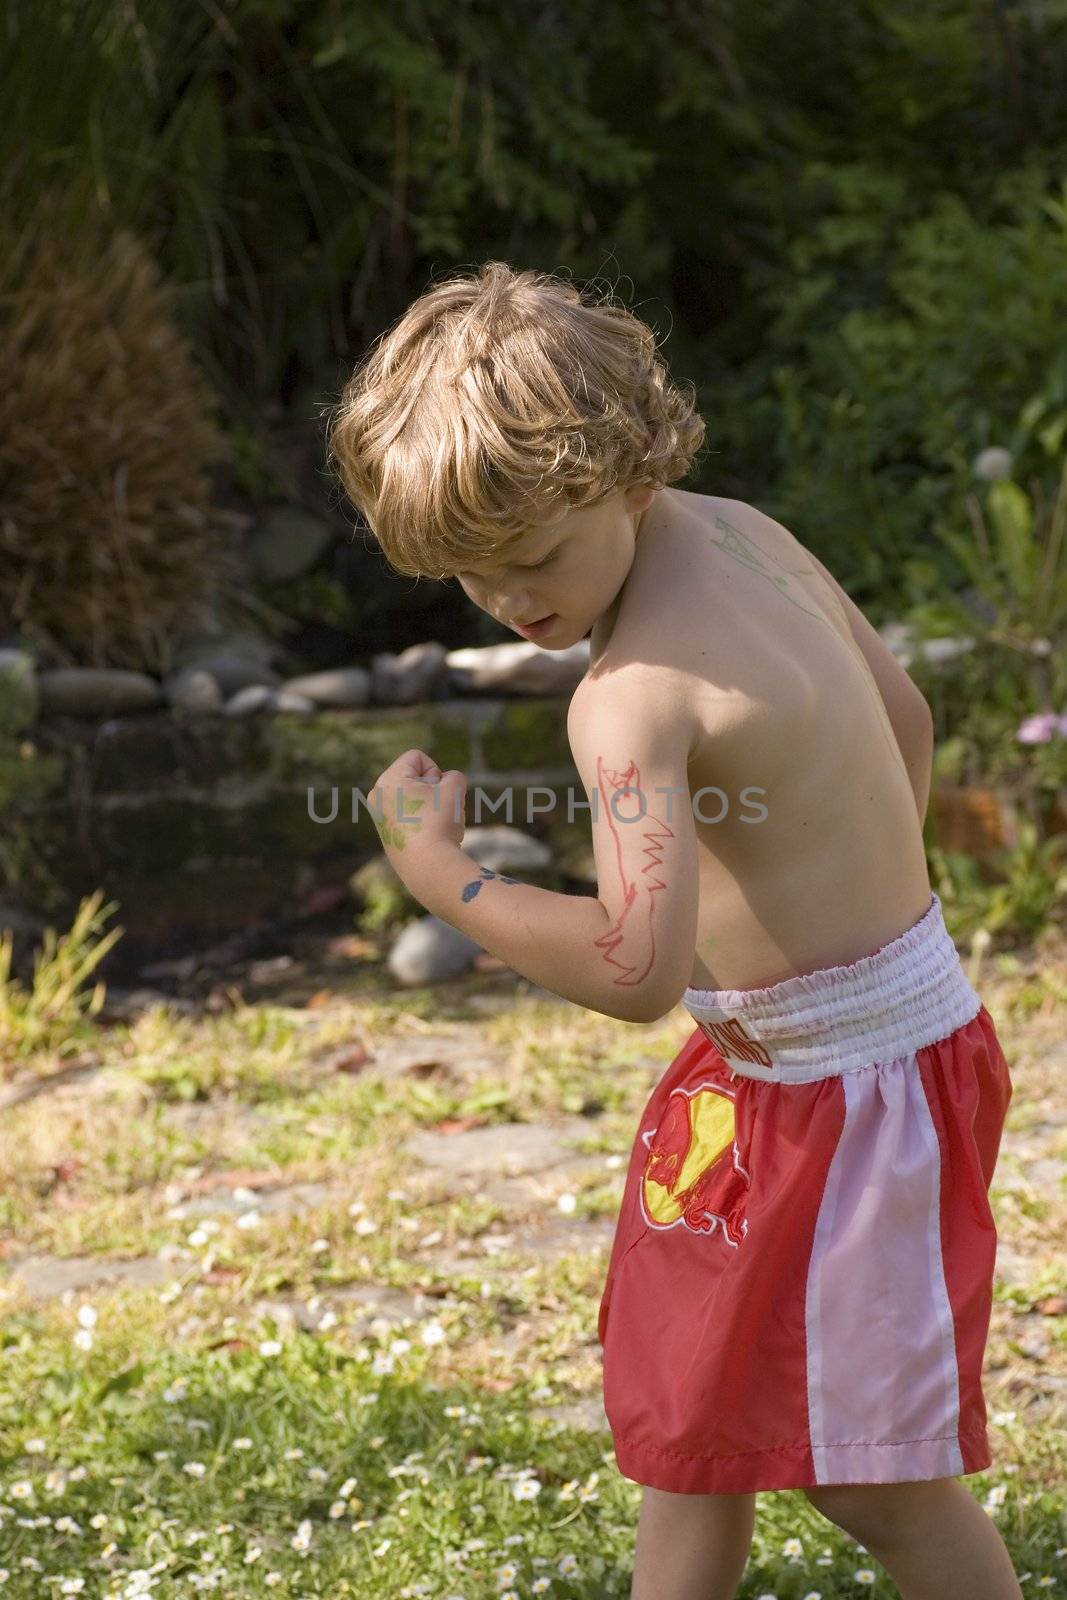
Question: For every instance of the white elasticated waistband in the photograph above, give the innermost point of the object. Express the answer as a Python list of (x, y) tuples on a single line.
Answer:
[(910, 993)]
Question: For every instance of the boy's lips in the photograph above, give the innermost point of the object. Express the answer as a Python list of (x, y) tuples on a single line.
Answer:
[(531, 629)]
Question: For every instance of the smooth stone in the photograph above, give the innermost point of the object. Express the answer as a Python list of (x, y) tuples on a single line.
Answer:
[(289, 700), (342, 687), (410, 676), (256, 697), (430, 951), (505, 849), (96, 692), (233, 673), (193, 689), (522, 667)]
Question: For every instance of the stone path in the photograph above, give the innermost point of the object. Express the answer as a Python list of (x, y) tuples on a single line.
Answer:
[(524, 1168)]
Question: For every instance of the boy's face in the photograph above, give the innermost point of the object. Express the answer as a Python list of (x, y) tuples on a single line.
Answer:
[(563, 577)]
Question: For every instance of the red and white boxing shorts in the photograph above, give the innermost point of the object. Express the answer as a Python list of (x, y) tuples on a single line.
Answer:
[(800, 1284)]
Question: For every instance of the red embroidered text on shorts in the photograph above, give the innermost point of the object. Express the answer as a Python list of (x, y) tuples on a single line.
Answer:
[(730, 1038)]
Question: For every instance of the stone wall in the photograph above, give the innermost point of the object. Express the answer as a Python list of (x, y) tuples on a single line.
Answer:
[(198, 826)]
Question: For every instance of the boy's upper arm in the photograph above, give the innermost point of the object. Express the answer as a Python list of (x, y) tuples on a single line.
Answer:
[(903, 699), (630, 736)]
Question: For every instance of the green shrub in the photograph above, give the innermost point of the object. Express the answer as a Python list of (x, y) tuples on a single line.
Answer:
[(51, 1013), (1013, 895), (107, 442), (908, 335)]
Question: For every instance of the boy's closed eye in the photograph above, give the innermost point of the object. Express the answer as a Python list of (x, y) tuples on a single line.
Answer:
[(525, 566)]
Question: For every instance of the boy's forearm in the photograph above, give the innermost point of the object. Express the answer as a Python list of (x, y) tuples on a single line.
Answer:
[(549, 938)]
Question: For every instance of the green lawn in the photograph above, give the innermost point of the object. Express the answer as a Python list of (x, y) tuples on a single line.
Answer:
[(182, 1435)]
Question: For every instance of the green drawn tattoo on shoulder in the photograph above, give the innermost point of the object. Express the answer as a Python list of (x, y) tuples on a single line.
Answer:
[(742, 548)]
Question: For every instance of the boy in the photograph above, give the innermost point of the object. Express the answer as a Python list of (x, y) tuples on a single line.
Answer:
[(800, 1284)]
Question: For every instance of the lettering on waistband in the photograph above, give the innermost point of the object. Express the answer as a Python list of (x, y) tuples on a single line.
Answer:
[(732, 1041)]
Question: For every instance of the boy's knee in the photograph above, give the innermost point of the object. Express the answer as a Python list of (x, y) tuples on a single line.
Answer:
[(881, 1513), (868, 1511)]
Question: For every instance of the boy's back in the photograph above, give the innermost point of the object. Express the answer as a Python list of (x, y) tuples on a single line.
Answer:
[(822, 860)]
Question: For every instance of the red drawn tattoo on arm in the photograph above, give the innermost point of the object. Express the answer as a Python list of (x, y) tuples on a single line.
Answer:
[(630, 943)]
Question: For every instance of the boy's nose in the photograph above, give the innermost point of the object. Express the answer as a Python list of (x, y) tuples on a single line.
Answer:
[(508, 603)]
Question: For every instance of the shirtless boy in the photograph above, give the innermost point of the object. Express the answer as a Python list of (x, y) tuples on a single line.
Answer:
[(806, 1205)]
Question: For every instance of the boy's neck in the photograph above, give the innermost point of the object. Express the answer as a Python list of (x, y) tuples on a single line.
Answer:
[(601, 630), (604, 625)]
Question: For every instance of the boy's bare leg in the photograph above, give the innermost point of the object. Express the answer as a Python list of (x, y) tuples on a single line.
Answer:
[(692, 1546), (933, 1538)]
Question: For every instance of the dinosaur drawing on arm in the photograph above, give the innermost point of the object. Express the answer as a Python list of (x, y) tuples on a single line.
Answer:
[(630, 943)]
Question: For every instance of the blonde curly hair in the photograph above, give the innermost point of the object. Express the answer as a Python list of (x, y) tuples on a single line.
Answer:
[(500, 401)]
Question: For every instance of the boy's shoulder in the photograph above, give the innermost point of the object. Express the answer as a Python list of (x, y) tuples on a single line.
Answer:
[(704, 565), (713, 581), (668, 589)]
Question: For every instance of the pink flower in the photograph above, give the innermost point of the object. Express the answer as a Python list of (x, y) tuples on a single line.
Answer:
[(1038, 729)]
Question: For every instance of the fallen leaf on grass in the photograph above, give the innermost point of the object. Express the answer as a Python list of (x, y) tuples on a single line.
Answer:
[(425, 1069)]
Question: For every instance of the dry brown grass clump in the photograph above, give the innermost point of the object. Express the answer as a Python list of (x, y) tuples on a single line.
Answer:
[(109, 543)]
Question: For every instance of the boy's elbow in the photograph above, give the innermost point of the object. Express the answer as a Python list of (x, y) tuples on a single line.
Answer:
[(651, 1004)]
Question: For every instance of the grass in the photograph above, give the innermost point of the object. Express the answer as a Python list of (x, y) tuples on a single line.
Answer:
[(252, 1427)]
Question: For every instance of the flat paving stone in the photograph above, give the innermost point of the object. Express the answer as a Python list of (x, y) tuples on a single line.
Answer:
[(391, 1306), (47, 1277), (462, 1054), (559, 1238), (502, 1149), (287, 1199)]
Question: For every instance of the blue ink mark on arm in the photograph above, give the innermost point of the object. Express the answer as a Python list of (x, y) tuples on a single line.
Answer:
[(469, 890)]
